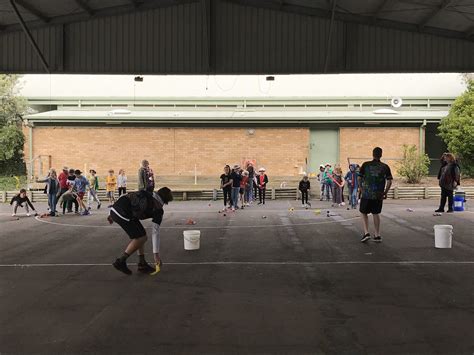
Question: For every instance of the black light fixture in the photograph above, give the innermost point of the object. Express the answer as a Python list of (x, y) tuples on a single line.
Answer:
[(270, 78), (138, 79)]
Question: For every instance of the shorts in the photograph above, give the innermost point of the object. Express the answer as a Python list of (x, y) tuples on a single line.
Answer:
[(241, 191), (110, 194), (132, 227), (81, 195), (370, 206)]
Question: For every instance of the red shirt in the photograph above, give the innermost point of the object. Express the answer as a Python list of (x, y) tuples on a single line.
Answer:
[(244, 181), (63, 180)]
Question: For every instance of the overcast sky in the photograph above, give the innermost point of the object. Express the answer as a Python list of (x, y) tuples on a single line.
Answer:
[(381, 85)]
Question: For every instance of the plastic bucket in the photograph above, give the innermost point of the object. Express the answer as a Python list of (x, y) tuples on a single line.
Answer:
[(192, 239), (443, 235), (459, 200)]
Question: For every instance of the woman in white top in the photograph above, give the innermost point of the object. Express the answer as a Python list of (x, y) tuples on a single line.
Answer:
[(122, 182)]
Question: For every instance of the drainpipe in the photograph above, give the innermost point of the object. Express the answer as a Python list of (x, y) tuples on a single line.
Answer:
[(422, 136), (30, 146)]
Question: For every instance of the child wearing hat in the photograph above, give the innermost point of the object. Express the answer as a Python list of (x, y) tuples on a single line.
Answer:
[(262, 185)]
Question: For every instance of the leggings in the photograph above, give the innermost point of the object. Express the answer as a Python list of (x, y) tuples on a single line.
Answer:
[(261, 195), (227, 197), (304, 196), (122, 191), (445, 193)]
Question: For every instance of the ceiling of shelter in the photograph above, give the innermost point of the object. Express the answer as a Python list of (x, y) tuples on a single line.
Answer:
[(451, 18)]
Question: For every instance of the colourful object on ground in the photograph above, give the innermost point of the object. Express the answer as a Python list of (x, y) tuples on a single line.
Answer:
[(157, 270), (190, 222), (317, 211)]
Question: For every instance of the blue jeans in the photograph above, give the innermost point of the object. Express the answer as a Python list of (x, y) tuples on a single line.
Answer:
[(52, 199), (328, 190), (235, 196), (353, 197)]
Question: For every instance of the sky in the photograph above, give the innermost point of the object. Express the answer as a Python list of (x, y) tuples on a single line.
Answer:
[(337, 85)]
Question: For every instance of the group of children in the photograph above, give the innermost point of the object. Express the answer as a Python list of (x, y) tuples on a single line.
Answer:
[(69, 189), (243, 185), (332, 183)]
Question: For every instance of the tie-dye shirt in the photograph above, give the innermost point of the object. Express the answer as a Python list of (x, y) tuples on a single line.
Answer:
[(374, 175)]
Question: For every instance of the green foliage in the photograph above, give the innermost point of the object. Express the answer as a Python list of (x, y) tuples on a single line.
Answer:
[(10, 183), (414, 166), (457, 129), (12, 109)]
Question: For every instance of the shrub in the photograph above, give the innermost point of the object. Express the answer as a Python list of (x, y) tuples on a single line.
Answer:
[(414, 166)]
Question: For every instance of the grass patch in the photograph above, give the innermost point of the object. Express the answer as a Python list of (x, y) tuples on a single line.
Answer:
[(9, 183)]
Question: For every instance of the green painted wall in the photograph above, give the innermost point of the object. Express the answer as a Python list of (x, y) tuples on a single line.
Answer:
[(323, 148)]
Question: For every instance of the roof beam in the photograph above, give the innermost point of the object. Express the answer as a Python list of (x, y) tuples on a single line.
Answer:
[(380, 8), (470, 32), (349, 18), (137, 3), (83, 4), (441, 7), (33, 10)]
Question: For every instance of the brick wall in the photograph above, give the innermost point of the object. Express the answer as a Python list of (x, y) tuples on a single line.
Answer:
[(172, 151), (359, 142)]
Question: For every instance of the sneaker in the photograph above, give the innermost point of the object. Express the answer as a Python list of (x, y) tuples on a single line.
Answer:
[(122, 266), (378, 239), (13, 214), (145, 268), (449, 211), (98, 206), (27, 215), (439, 210), (233, 209), (365, 238), (85, 213)]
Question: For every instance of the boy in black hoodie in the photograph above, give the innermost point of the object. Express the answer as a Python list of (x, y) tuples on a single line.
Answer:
[(304, 187), (18, 201)]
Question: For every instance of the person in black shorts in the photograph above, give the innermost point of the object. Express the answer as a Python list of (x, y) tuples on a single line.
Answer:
[(375, 179), (127, 212)]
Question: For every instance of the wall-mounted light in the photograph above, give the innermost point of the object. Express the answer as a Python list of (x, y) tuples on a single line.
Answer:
[(250, 131), (138, 79), (270, 78)]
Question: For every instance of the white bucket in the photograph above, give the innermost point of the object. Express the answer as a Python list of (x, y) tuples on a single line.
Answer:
[(192, 239), (443, 235)]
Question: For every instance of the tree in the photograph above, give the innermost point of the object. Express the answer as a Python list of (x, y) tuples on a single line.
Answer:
[(12, 108), (414, 165), (457, 129)]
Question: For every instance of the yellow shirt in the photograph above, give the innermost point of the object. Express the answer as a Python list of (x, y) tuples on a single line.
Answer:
[(111, 183)]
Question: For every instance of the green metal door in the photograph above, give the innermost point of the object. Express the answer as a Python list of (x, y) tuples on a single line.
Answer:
[(323, 148)]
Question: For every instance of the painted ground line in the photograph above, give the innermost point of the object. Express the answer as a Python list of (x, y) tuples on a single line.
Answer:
[(263, 263), (196, 226)]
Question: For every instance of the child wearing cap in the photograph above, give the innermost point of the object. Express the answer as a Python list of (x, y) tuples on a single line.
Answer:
[(262, 185), (93, 187), (110, 186)]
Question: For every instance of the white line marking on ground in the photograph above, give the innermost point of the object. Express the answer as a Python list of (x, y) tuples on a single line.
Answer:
[(263, 263), (42, 220)]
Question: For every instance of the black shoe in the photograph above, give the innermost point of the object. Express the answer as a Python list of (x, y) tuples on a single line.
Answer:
[(378, 239), (449, 211), (439, 210), (98, 206), (145, 268), (259, 203), (122, 266), (365, 238)]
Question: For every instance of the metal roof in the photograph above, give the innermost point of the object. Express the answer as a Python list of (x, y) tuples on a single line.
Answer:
[(237, 36)]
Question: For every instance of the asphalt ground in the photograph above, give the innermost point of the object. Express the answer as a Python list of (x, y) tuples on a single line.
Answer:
[(267, 279)]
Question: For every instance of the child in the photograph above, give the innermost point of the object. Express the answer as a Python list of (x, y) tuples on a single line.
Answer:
[(70, 181), (226, 186), (244, 183), (93, 187), (236, 177), (18, 201), (328, 182), (80, 187), (122, 182), (338, 184), (352, 185), (127, 213), (69, 197), (52, 190), (304, 187), (321, 182), (110, 186), (262, 185)]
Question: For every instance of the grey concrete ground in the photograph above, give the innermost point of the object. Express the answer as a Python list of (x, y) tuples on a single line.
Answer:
[(293, 282)]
